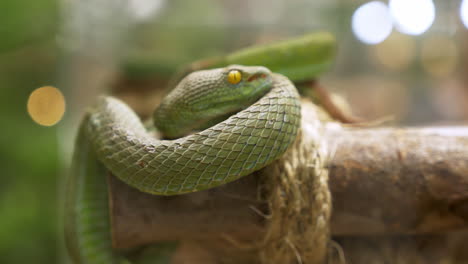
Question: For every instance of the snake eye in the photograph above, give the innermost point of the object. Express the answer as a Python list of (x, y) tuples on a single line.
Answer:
[(234, 76)]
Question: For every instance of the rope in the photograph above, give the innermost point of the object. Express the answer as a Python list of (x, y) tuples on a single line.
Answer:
[(299, 198)]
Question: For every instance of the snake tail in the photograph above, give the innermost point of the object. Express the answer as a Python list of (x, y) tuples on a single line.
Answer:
[(87, 227)]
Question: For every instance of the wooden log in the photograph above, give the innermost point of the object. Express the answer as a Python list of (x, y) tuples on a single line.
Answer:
[(399, 180), (383, 181)]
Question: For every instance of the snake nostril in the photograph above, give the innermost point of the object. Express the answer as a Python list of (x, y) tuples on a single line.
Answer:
[(256, 76)]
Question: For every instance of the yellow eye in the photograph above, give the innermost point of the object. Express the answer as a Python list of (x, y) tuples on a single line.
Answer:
[(234, 76)]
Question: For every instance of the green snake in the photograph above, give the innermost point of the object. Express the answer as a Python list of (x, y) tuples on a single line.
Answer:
[(112, 134)]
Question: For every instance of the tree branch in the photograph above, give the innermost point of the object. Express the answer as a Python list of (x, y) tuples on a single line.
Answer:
[(383, 181)]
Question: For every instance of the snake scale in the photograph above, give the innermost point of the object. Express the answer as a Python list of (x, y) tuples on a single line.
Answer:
[(247, 117)]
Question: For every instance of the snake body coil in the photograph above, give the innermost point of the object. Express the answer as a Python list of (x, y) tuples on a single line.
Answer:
[(113, 134), (243, 143)]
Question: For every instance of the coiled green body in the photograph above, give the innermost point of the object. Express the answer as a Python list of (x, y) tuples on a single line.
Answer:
[(112, 135), (245, 142)]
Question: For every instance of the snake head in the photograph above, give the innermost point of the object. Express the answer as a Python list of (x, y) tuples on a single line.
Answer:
[(204, 98)]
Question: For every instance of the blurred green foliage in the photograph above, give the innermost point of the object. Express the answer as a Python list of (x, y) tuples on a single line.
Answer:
[(29, 152), (161, 46), (24, 22)]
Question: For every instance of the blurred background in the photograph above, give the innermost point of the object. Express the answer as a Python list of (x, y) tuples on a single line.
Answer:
[(406, 58)]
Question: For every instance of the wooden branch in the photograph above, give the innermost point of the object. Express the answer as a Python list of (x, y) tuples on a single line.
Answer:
[(399, 180), (383, 181), (139, 218)]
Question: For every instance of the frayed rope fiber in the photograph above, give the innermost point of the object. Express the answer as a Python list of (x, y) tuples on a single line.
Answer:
[(299, 198)]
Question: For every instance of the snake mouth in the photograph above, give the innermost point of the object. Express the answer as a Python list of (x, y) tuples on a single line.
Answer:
[(257, 76), (261, 81), (261, 73)]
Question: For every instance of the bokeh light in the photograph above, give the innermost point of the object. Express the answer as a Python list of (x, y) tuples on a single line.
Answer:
[(372, 22), (412, 17), (464, 12), (396, 52), (450, 99), (439, 56), (46, 105), (144, 9)]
